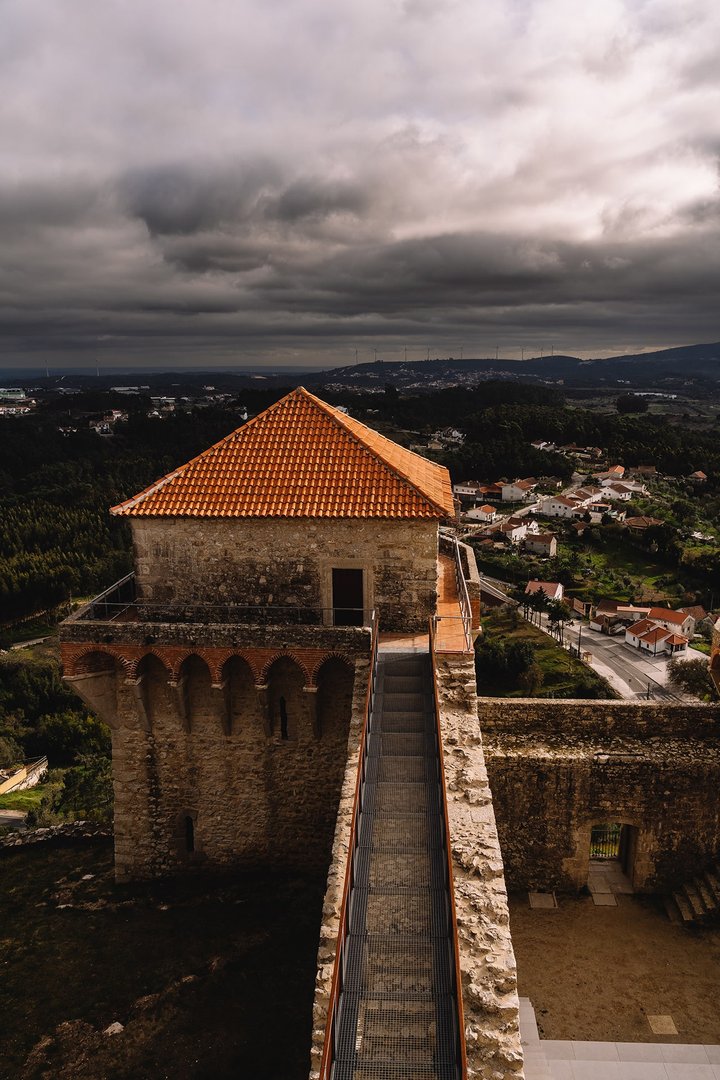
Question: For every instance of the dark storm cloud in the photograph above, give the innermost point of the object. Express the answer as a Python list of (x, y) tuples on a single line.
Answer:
[(293, 181)]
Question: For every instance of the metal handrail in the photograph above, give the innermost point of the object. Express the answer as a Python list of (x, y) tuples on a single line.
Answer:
[(131, 608), (461, 1048), (463, 594), (336, 986)]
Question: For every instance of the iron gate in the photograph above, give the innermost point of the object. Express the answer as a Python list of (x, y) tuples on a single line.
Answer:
[(605, 841)]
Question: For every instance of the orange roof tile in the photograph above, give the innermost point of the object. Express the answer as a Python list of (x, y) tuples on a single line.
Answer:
[(667, 615), (300, 458)]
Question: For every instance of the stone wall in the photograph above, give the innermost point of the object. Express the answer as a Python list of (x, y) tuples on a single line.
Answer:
[(216, 773), (332, 905), (262, 562), (487, 960), (558, 768)]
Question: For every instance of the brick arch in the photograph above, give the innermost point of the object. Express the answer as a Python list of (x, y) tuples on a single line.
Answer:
[(158, 654), (234, 654), (330, 656), (283, 655), (79, 659)]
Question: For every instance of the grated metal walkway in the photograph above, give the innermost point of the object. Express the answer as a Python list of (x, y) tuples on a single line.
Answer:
[(398, 1009)]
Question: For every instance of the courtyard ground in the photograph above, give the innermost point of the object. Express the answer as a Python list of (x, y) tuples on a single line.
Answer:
[(597, 973), (209, 977)]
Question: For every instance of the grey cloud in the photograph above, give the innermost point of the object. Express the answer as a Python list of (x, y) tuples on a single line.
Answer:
[(185, 198), (289, 180)]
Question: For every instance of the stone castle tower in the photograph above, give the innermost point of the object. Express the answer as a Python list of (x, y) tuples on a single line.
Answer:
[(227, 663)]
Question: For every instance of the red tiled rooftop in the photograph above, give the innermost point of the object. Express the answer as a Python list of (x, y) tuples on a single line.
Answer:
[(677, 617), (300, 458)]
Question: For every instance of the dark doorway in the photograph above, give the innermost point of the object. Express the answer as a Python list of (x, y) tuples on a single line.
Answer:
[(605, 841), (347, 591)]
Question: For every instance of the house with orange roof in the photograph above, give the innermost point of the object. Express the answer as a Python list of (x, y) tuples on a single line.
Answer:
[(681, 622), (518, 490), (485, 513), (651, 637), (553, 589)]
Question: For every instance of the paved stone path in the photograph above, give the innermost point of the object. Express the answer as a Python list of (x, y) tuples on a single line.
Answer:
[(554, 1059)]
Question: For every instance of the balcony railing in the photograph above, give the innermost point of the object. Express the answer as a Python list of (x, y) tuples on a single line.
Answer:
[(121, 604)]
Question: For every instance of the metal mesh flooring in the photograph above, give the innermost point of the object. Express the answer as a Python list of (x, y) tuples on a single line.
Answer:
[(398, 1011)]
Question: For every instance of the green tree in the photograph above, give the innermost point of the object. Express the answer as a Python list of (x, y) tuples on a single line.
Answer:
[(692, 676)]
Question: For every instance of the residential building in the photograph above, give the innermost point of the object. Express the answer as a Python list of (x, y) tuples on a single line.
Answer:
[(542, 544), (485, 513), (653, 638), (679, 621), (518, 491), (553, 589)]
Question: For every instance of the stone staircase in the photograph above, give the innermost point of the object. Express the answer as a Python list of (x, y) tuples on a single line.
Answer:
[(398, 1008), (698, 900)]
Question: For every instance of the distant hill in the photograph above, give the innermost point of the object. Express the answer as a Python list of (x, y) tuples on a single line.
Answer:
[(667, 368)]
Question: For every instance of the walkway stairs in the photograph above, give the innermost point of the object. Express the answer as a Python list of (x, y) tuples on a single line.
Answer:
[(697, 900), (398, 1010)]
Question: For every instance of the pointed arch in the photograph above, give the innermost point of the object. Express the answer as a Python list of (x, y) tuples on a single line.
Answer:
[(335, 682), (242, 714), (283, 655), (287, 711)]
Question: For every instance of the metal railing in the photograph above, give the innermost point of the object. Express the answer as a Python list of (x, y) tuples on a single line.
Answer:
[(463, 595), (461, 1048), (121, 603), (336, 988)]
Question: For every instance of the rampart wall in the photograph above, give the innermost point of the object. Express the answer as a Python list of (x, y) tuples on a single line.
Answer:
[(556, 768), (212, 767)]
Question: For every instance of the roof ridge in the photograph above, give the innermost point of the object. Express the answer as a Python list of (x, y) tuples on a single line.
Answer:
[(338, 418)]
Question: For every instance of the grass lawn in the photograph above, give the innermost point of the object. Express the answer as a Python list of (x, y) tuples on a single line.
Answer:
[(563, 675), (28, 799)]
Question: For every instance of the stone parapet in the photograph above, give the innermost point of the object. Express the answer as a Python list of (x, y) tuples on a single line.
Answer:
[(487, 960), (532, 717)]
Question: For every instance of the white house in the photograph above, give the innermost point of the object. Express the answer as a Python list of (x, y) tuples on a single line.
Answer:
[(650, 637), (680, 622), (514, 529), (542, 544), (487, 514), (518, 491), (560, 506)]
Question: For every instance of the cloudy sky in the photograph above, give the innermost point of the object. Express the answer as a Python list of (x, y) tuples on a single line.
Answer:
[(289, 181)]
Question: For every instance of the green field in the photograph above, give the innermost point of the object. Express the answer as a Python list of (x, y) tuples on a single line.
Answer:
[(563, 675)]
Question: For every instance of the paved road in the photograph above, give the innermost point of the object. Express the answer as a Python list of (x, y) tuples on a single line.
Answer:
[(631, 673)]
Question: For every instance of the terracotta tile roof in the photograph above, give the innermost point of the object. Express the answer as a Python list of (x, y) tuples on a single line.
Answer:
[(677, 639), (550, 588), (639, 628), (658, 633), (300, 458), (666, 615)]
